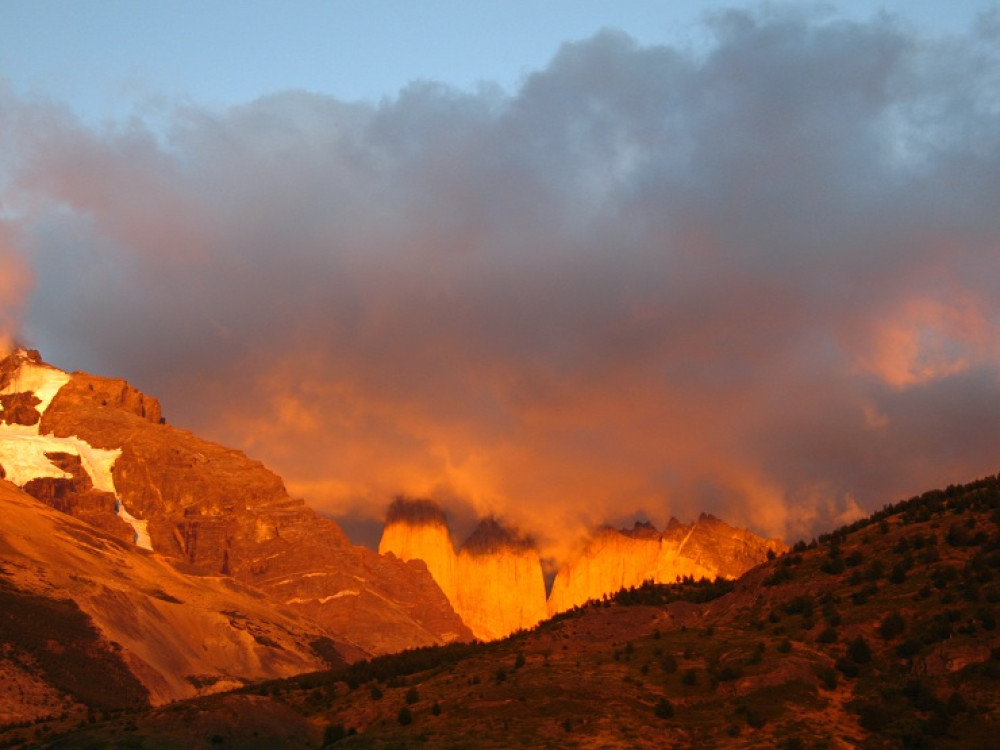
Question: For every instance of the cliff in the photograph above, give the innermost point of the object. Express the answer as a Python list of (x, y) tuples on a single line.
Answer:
[(495, 581), (615, 559), (501, 588)]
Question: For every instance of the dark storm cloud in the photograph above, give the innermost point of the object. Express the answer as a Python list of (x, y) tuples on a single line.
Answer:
[(759, 279)]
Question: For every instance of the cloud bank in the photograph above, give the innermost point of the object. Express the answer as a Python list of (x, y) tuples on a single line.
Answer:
[(761, 279)]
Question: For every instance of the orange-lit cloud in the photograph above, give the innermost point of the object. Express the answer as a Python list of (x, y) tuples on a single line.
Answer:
[(928, 339), (762, 281)]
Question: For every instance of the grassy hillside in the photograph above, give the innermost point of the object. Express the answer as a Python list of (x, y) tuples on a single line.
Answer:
[(879, 634)]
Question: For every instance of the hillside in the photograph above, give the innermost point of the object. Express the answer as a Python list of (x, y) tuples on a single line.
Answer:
[(83, 612), (881, 634)]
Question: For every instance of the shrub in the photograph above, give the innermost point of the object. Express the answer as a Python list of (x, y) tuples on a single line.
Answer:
[(754, 718), (728, 673), (872, 717), (834, 566), (847, 667), (827, 636), (664, 709), (827, 677), (859, 652), (690, 677), (412, 696), (405, 716), (333, 733), (892, 626)]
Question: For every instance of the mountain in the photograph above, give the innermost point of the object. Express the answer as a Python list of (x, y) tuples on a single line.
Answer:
[(92, 621), (614, 559), (495, 580), (418, 530), (501, 588), (881, 634), (99, 450)]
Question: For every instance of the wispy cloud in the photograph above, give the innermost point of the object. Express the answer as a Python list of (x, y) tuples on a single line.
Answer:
[(762, 280)]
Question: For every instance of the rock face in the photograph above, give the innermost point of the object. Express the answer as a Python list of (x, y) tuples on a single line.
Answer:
[(501, 587), (615, 559), (141, 629), (418, 530), (215, 510), (495, 581)]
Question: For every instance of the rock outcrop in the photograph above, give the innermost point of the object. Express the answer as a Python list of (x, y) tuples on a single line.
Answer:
[(418, 530), (215, 510), (614, 559), (128, 621), (501, 587), (494, 582)]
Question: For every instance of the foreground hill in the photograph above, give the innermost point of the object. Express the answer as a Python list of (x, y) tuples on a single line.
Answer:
[(881, 634)]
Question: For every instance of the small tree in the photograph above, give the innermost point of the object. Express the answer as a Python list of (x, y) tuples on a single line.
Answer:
[(333, 733), (892, 626), (859, 652), (412, 696), (405, 716), (664, 709)]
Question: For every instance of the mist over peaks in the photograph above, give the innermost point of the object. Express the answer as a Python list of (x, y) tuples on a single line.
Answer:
[(759, 279)]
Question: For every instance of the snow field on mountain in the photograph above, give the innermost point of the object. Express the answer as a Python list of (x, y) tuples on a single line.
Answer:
[(23, 449), (42, 380)]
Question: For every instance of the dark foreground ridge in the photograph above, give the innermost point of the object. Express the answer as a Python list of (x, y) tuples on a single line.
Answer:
[(879, 634)]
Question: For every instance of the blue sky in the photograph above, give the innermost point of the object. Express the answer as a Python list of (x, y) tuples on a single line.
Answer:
[(748, 266), (110, 58)]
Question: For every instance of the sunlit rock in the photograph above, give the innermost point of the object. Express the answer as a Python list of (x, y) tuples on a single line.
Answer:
[(612, 559), (501, 588)]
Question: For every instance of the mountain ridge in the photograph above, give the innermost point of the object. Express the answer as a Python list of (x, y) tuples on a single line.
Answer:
[(98, 450), (878, 634), (496, 559)]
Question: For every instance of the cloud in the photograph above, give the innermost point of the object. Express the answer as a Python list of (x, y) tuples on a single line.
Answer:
[(758, 280)]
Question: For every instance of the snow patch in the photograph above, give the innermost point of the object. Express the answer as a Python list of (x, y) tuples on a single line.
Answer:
[(141, 528), (325, 599), (44, 381), (22, 454), (23, 449)]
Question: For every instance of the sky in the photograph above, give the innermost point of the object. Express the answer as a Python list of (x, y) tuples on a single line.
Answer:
[(565, 263)]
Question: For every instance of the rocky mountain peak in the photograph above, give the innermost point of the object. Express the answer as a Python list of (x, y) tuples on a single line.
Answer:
[(415, 512), (641, 530), (490, 537)]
